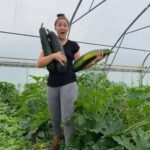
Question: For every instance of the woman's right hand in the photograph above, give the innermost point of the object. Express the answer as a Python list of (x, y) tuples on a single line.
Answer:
[(60, 57)]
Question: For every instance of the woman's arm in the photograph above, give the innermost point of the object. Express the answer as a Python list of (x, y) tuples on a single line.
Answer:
[(76, 55), (45, 60)]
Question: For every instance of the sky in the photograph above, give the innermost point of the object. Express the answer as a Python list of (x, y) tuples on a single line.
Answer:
[(103, 25)]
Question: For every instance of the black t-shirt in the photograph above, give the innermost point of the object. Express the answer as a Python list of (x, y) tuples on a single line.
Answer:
[(58, 79)]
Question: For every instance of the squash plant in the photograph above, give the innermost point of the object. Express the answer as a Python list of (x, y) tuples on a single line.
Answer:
[(10, 132), (106, 111), (33, 112), (108, 116)]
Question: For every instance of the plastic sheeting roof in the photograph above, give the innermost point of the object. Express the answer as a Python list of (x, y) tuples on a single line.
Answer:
[(102, 26)]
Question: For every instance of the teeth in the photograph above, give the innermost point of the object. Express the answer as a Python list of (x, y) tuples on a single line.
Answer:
[(62, 32)]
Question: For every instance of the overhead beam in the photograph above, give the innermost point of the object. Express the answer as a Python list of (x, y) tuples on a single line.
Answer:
[(94, 68)]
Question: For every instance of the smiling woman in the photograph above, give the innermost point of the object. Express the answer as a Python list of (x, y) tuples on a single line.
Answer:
[(62, 87), (62, 26)]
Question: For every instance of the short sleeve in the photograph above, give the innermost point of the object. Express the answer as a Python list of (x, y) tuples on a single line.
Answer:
[(76, 47)]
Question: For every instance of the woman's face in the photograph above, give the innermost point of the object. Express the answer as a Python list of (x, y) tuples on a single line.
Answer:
[(62, 28)]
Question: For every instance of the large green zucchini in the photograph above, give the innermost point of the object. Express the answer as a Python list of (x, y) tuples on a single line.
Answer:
[(87, 58), (51, 44), (56, 47), (46, 47)]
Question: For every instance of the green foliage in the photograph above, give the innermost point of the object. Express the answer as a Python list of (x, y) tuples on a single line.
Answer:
[(138, 104), (28, 114), (8, 93), (10, 131), (108, 116), (32, 105), (105, 109), (139, 140)]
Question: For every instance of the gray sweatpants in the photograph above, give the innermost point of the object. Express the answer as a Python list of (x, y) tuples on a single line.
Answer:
[(61, 105)]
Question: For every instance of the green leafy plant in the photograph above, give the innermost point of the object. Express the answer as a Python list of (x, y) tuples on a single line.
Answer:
[(105, 109), (108, 116), (10, 132), (139, 140)]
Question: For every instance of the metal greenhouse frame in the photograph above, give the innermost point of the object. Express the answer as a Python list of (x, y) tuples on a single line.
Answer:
[(30, 63)]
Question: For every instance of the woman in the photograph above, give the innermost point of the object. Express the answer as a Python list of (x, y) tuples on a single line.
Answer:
[(62, 87)]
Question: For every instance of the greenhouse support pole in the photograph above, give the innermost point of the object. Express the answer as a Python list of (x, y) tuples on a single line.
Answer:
[(127, 30), (74, 15), (88, 11), (142, 75)]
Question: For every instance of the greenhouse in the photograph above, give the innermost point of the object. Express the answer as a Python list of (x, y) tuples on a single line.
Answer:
[(113, 103)]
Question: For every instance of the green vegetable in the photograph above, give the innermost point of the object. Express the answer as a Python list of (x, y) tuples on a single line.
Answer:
[(56, 47), (51, 44), (87, 58), (46, 47)]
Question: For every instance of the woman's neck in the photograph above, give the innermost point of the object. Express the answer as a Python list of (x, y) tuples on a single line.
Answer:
[(63, 41)]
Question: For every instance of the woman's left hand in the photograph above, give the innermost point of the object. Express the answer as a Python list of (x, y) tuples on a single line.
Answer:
[(100, 56)]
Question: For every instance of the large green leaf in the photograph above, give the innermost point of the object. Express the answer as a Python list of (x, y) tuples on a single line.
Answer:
[(139, 140)]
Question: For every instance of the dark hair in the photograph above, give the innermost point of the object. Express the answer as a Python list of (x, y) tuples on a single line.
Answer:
[(61, 16)]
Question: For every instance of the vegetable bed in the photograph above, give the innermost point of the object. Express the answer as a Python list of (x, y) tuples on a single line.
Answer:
[(108, 116)]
